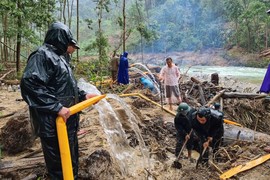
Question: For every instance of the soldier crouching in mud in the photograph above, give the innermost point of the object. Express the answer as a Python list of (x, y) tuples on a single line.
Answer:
[(208, 126)]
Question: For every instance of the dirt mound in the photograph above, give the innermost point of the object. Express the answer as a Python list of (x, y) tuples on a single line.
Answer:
[(17, 134)]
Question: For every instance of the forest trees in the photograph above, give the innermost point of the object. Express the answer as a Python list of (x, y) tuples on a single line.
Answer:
[(251, 24), (150, 25), (22, 22)]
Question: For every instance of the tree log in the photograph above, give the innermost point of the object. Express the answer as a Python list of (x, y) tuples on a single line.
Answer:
[(216, 97), (20, 164), (203, 101), (234, 133), (243, 95), (195, 80)]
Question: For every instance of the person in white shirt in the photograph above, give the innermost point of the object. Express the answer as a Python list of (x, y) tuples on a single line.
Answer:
[(170, 75)]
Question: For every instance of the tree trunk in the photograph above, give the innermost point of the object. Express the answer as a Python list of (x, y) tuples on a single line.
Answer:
[(5, 38), (64, 12), (78, 19), (19, 37), (124, 26), (266, 35), (70, 13), (60, 10), (1, 50)]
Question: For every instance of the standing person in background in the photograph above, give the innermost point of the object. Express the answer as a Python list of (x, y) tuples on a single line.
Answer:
[(170, 75), (114, 66), (49, 88), (123, 77)]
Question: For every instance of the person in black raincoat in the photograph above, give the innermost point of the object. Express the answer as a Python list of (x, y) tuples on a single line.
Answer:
[(183, 127), (49, 88), (208, 126)]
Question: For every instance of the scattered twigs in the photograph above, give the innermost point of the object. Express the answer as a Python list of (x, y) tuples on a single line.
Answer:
[(3, 77), (215, 166), (31, 177), (130, 86), (7, 115), (150, 175), (265, 53), (31, 154), (226, 152)]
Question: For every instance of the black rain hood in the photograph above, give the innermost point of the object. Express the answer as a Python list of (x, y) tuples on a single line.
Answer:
[(59, 36)]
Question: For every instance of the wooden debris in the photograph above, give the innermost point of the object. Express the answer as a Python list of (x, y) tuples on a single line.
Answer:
[(20, 164), (215, 98), (7, 115), (3, 77), (243, 95), (215, 166), (265, 53)]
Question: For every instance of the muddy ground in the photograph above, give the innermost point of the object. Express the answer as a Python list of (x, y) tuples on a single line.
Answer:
[(145, 148), (22, 158)]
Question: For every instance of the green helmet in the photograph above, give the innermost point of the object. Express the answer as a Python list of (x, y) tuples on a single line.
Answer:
[(183, 108), (216, 106)]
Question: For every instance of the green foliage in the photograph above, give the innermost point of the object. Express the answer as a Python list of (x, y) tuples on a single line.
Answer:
[(1, 67), (258, 63), (92, 70), (166, 25), (250, 22), (89, 23)]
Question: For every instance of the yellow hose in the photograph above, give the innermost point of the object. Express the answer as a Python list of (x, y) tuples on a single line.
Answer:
[(227, 121), (169, 111), (146, 98), (63, 136)]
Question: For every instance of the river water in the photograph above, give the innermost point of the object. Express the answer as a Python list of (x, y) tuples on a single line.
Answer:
[(243, 74)]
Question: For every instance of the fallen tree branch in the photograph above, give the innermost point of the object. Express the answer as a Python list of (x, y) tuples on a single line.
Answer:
[(217, 168), (243, 95), (201, 92), (6, 74), (7, 115), (216, 97), (31, 153), (20, 164)]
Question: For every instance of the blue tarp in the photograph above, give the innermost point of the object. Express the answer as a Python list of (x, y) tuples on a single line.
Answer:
[(147, 83)]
